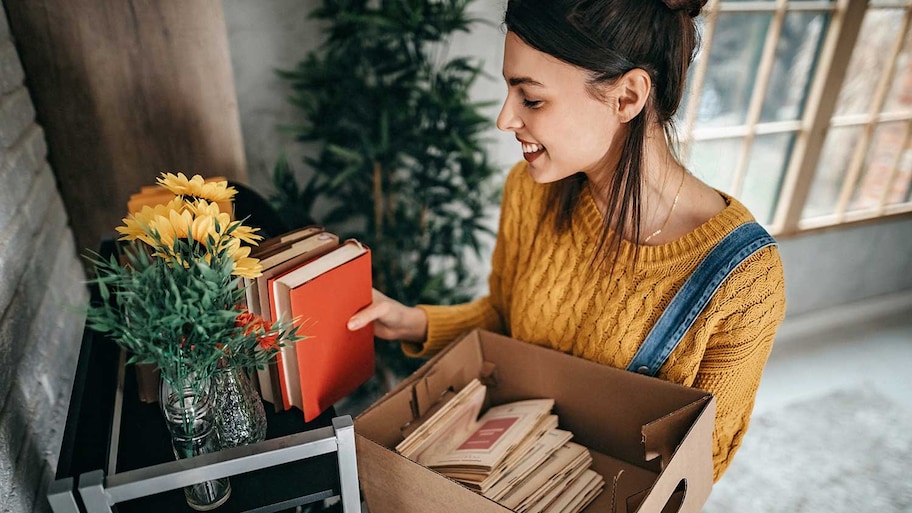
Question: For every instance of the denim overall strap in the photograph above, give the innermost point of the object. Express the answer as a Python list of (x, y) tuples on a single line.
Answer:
[(696, 292)]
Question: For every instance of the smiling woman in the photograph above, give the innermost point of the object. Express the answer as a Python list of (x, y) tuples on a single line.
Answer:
[(602, 227)]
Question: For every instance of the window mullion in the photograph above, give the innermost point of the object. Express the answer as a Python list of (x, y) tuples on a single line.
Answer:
[(880, 96), (821, 103), (759, 95)]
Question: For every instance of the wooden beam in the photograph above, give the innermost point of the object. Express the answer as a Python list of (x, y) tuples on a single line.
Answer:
[(125, 90), (835, 55)]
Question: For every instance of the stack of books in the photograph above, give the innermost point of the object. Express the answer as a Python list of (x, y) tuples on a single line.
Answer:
[(309, 276), (514, 453)]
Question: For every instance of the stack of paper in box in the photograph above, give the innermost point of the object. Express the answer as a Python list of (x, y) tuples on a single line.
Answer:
[(313, 279), (513, 454)]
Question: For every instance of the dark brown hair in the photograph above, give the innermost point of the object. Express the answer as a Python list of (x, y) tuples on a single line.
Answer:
[(609, 38)]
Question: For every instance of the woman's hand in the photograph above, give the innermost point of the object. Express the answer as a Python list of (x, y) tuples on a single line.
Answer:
[(392, 320)]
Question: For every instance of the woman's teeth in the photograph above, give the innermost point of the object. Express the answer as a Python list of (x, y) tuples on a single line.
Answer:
[(531, 148)]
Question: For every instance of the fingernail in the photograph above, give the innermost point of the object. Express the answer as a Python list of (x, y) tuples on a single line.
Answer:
[(354, 324)]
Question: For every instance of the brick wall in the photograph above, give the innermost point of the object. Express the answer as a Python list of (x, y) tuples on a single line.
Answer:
[(41, 296)]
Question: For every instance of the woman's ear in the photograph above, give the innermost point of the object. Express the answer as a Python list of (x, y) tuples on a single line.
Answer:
[(632, 90)]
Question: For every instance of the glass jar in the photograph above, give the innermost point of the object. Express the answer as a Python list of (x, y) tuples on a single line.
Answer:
[(240, 416), (191, 422)]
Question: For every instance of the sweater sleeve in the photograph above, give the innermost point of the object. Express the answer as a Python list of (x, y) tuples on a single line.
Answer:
[(446, 323), (754, 303)]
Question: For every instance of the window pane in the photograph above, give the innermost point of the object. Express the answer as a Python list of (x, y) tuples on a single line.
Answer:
[(901, 189), (900, 96), (869, 58), (878, 166), (737, 46), (831, 171), (701, 54), (796, 58), (714, 161), (765, 172)]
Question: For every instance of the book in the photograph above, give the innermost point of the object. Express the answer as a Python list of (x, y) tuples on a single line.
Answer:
[(574, 495), (455, 416), (314, 245), (283, 253), (531, 459), (285, 238), (567, 463), (482, 481), (490, 439), (321, 295)]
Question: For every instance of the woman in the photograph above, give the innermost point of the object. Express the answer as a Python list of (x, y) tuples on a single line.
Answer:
[(601, 224)]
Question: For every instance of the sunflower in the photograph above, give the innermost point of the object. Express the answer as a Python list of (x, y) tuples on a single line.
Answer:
[(244, 265), (210, 232), (203, 208), (136, 225), (197, 187)]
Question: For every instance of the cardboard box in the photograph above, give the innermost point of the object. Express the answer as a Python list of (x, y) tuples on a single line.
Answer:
[(650, 439)]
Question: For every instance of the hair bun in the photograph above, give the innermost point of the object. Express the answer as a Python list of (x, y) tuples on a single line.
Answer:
[(691, 7)]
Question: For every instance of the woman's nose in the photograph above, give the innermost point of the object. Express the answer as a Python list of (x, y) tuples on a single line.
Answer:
[(507, 120)]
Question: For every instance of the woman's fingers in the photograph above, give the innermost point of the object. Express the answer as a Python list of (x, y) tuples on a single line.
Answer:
[(392, 320), (367, 315)]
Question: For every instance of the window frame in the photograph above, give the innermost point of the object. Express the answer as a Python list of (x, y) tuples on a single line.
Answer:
[(810, 131)]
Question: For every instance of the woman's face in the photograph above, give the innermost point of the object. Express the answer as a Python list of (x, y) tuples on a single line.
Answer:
[(561, 127)]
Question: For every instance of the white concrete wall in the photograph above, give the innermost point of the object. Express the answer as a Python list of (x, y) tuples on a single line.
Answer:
[(276, 34)]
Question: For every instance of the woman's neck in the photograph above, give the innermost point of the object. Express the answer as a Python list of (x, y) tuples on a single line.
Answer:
[(664, 181)]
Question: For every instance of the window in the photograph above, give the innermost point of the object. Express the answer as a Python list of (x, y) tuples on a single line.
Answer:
[(803, 109)]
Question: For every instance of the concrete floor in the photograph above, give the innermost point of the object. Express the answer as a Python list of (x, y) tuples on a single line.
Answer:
[(868, 342)]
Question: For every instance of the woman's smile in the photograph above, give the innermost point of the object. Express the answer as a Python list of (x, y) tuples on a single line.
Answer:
[(531, 151)]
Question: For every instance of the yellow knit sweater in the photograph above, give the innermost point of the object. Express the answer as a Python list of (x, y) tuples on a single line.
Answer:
[(544, 290)]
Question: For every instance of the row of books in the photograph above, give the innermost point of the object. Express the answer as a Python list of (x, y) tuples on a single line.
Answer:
[(514, 453), (312, 277)]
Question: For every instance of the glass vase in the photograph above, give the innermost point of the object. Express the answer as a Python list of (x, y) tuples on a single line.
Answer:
[(191, 422), (240, 417)]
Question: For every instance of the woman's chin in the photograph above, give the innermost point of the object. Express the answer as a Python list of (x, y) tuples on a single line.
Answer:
[(542, 172)]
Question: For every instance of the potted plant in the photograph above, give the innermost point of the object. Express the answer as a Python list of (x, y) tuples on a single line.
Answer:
[(174, 300), (401, 162)]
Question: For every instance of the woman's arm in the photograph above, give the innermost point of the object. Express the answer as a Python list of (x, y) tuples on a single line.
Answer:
[(754, 301)]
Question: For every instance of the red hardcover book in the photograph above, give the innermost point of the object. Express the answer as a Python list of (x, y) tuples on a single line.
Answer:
[(321, 296), (295, 255)]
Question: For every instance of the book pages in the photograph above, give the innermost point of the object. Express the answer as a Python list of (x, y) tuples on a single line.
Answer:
[(564, 461), (495, 434), (579, 493), (543, 448), (514, 453), (481, 481)]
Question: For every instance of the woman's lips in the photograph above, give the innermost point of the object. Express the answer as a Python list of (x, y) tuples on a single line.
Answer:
[(531, 151)]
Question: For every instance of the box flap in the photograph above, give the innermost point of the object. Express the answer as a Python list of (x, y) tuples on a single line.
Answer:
[(401, 410), (663, 436), (393, 484), (688, 470)]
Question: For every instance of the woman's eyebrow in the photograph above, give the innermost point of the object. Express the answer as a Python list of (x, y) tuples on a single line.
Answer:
[(518, 81)]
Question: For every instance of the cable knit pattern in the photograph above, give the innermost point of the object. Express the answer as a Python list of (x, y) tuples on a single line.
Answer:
[(546, 290)]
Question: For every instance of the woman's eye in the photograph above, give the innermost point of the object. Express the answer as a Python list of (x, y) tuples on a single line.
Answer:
[(531, 104)]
